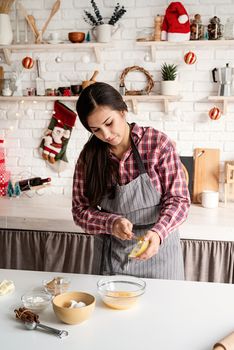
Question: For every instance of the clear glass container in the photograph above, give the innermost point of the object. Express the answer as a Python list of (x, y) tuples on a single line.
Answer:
[(229, 29)]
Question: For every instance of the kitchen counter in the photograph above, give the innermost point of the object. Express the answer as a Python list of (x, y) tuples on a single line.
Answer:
[(188, 318), (53, 213)]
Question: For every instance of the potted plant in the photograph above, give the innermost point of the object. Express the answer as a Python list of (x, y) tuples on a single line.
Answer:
[(169, 84), (103, 31)]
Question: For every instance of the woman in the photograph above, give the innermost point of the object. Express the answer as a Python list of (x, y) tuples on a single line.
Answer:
[(128, 182)]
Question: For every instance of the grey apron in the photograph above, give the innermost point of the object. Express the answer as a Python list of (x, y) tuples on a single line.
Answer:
[(139, 202)]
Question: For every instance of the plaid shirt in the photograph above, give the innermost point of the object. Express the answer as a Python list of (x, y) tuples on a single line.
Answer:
[(165, 171)]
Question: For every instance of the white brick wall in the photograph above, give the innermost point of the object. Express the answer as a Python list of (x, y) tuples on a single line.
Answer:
[(187, 122)]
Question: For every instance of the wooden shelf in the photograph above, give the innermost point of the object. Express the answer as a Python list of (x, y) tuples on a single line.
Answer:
[(222, 99), (191, 44), (38, 98), (133, 99), (150, 98), (96, 47)]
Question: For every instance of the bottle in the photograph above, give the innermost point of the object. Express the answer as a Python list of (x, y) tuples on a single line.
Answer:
[(122, 89), (28, 184)]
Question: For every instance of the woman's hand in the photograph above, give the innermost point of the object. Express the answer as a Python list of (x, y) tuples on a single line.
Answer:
[(122, 228), (154, 243)]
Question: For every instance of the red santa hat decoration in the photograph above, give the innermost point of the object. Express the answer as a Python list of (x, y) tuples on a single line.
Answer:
[(175, 25)]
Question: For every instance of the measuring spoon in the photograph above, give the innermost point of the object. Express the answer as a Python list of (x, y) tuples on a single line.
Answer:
[(35, 325)]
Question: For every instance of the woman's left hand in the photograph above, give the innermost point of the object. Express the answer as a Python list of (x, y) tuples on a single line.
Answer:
[(154, 243)]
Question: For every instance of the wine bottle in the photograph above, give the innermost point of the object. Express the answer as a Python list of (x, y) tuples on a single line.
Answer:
[(28, 184)]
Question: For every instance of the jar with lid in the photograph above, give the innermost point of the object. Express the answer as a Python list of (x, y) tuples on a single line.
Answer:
[(229, 29)]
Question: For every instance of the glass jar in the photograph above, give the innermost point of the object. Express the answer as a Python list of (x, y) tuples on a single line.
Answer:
[(229, 29)]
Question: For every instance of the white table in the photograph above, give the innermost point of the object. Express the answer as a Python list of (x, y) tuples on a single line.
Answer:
[(171, 315)]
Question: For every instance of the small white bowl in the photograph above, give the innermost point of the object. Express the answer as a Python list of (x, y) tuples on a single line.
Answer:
[(36, 300)]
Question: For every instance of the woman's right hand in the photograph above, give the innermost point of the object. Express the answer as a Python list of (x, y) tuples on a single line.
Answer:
[(122, 228)]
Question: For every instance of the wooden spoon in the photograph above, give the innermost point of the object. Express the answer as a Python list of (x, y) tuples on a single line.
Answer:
[(53, 11), (31, 18)]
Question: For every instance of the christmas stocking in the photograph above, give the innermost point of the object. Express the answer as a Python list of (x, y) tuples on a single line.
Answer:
[(54, 144)]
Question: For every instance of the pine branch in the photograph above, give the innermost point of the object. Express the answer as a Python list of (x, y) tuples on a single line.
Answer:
[(117, 15), (97, 12), (90, 19), (114, 13)]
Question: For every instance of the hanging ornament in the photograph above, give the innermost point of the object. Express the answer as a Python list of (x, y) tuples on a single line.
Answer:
[(190, 57), (214, 113), (27, 62)]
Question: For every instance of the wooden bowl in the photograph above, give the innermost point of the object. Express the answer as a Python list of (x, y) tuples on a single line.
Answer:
[(76, 37), (73, 315)]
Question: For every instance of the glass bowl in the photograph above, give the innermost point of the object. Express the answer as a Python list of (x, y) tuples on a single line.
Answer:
[(36, 300), (120, 292), (57, 285)]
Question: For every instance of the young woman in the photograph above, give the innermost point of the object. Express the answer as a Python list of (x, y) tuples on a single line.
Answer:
[(129, 182)]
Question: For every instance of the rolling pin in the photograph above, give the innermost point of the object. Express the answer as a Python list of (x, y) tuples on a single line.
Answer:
[(92, 80), (226, 343)]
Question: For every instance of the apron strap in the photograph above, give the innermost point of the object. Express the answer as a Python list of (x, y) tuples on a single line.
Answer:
[(137, 157)]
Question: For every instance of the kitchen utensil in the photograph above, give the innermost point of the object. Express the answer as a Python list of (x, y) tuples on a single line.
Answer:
[(120, 292), (62, 303), (53, 11), (229, 181), (206, 171), (92, 80), (1, 79), (32, 20), (223, 76), (34, 325), (40, 83), (28, 19)]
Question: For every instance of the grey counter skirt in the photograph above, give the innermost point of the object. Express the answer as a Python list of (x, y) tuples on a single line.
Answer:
[(207, 261)]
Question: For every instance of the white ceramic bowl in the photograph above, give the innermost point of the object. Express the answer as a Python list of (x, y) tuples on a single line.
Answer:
[(36, 300), (120, 292)]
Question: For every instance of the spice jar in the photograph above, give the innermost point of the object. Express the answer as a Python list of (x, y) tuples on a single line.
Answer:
[(215, 29)]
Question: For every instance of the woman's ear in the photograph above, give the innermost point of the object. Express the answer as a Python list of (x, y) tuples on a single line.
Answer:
[(124, 114)]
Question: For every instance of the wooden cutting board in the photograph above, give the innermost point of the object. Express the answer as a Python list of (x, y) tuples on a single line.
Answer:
[(206, 171), (1, 78)]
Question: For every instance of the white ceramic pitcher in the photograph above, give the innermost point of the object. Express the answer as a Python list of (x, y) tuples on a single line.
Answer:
[(6, 34), (104, 32)]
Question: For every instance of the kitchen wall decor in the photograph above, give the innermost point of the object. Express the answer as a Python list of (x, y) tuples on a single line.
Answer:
[(148, 87)]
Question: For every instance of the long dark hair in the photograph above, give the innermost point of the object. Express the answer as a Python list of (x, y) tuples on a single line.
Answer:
[(100, 173)]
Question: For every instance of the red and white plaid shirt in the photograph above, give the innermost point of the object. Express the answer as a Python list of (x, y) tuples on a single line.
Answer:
[(165, 171)]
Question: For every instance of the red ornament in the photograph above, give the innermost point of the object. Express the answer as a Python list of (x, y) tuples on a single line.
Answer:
[(27, 62), (214, 113), (190, 57)]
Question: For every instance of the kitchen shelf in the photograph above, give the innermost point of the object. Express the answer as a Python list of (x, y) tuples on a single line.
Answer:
[(191, 44), (38, 98), (133, 99), (96, 47), (222, 99), (151, 98)]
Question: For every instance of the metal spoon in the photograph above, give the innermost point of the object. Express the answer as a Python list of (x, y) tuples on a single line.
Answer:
[(35, 325)]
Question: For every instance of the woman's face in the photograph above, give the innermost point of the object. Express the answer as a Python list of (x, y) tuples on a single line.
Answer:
[(108, 125)]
